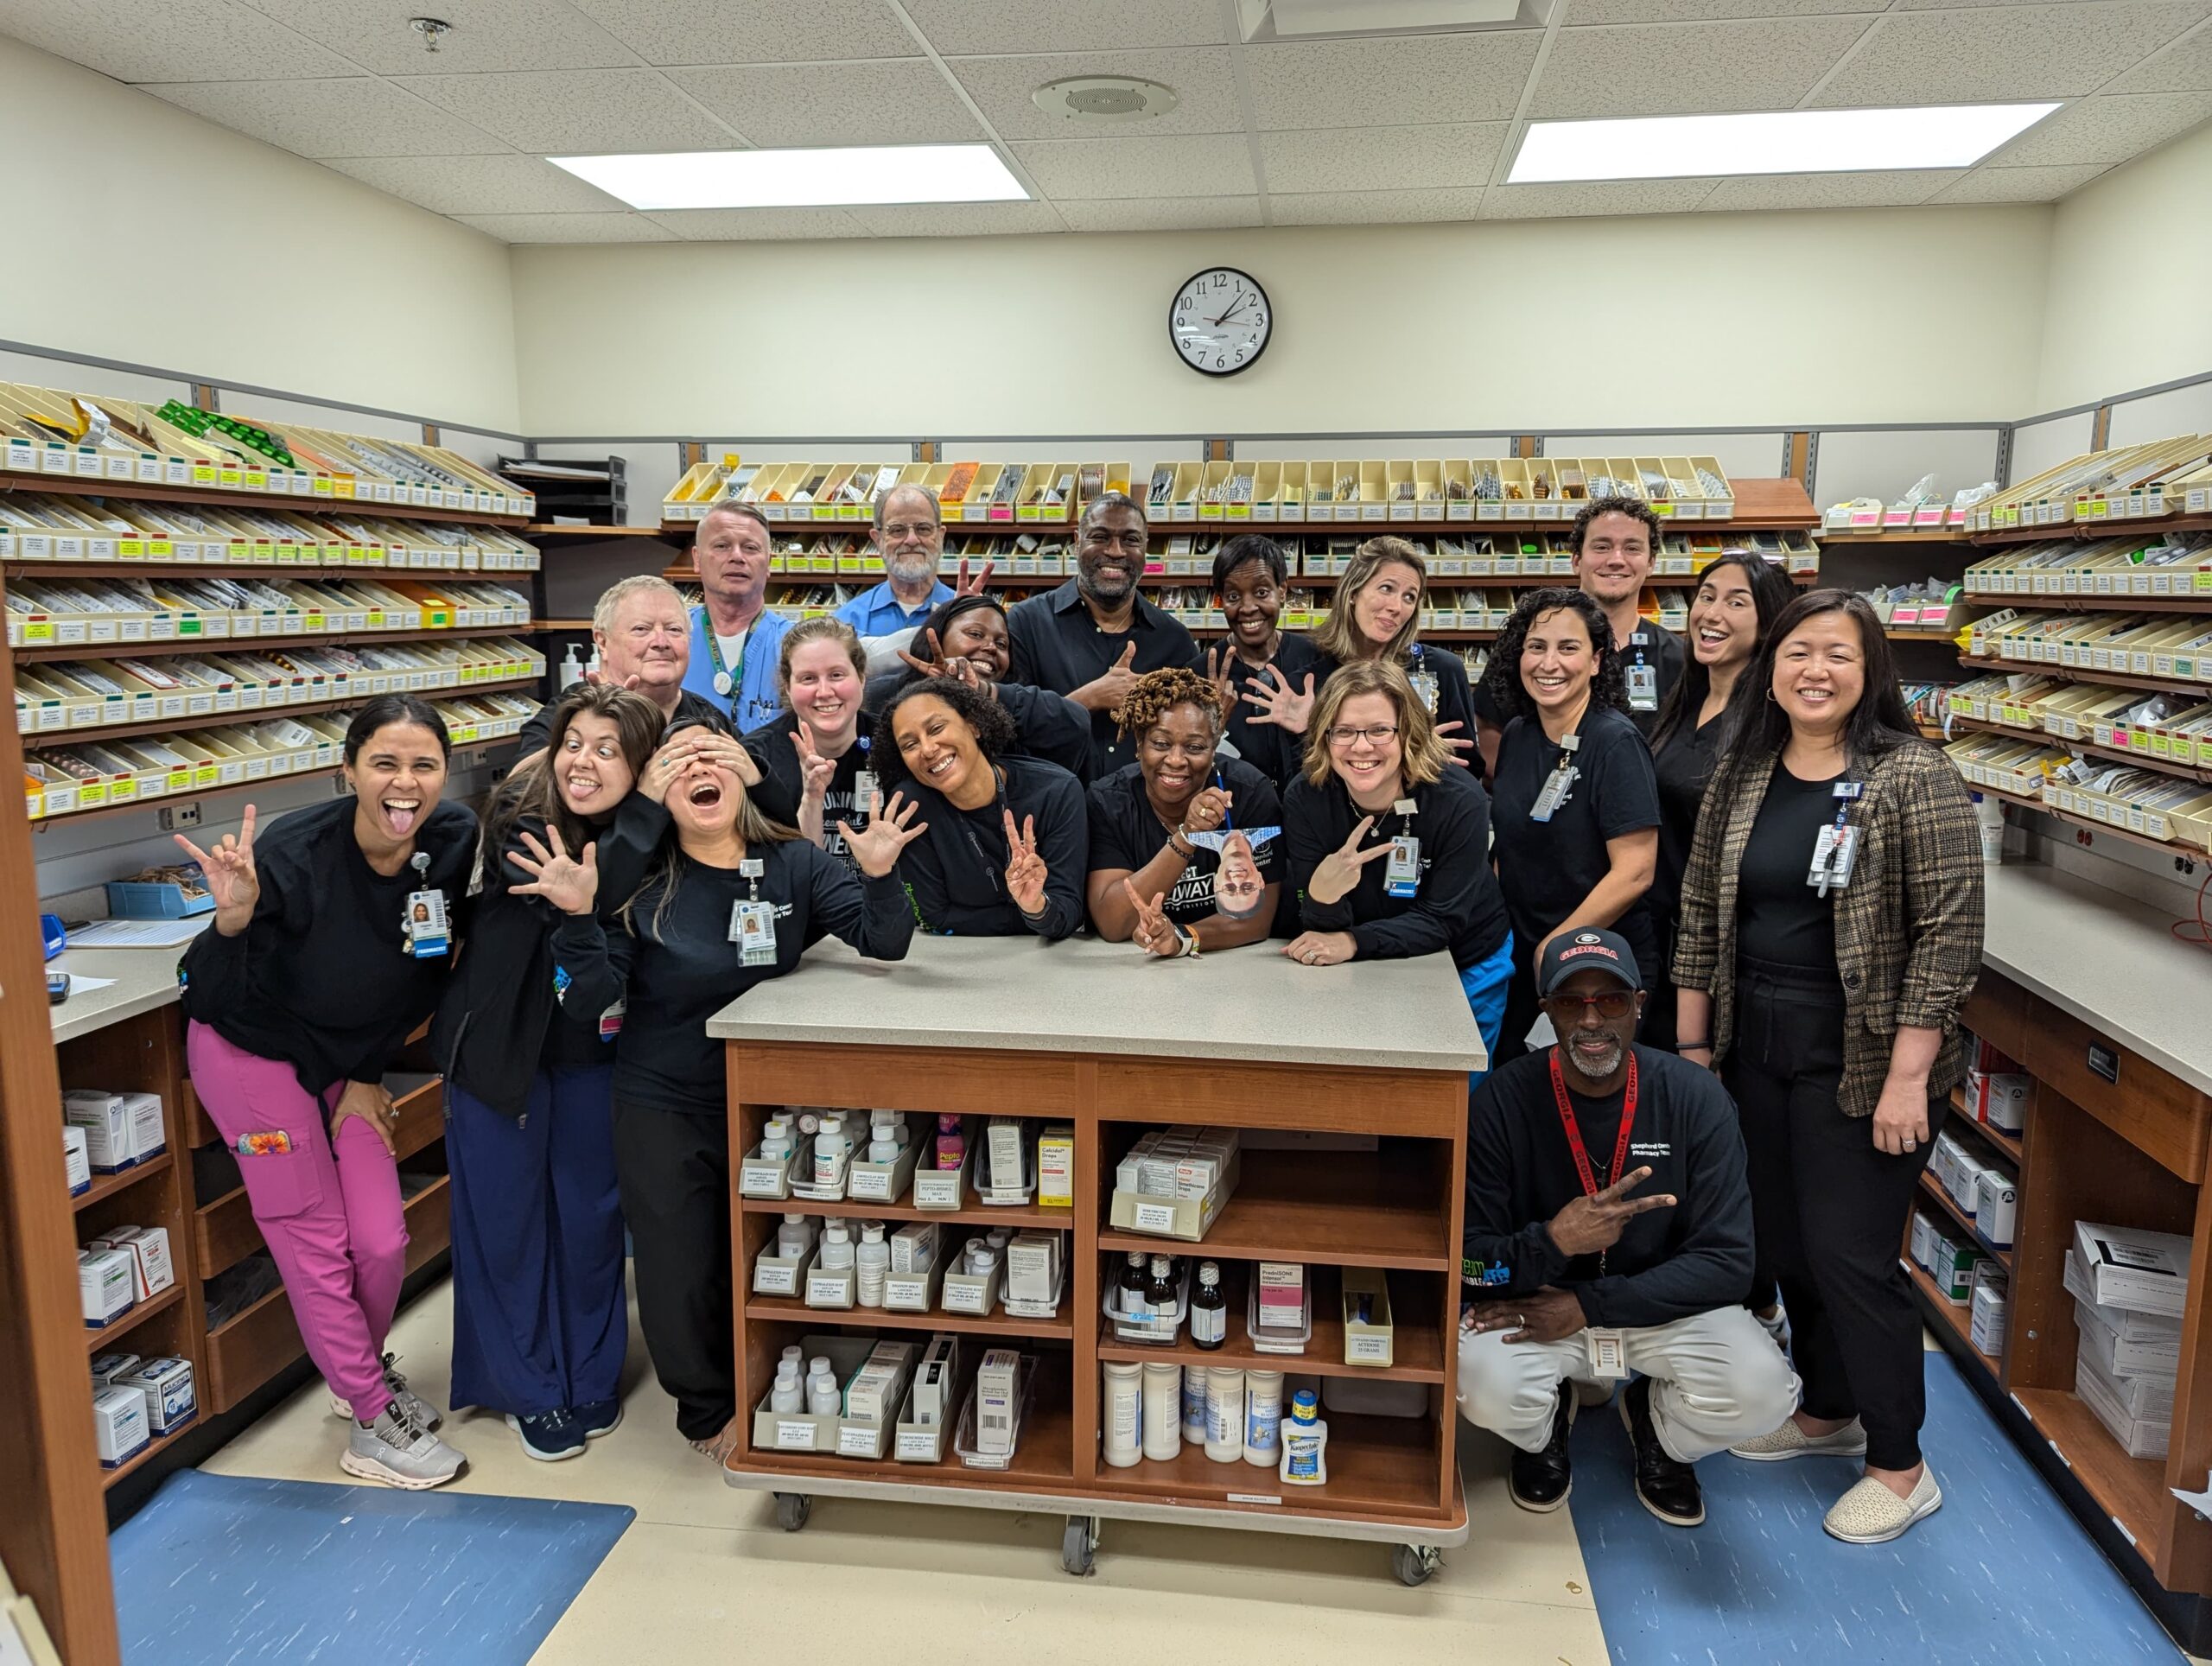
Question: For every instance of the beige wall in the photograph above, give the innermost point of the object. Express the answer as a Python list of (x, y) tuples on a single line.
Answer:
[(126, 221), (1734, 319), (2131, 262)]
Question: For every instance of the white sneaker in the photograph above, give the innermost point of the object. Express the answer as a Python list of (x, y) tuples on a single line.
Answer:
[(395, 1388), (1790, 1441), (1871, 1514), (399, 1452)]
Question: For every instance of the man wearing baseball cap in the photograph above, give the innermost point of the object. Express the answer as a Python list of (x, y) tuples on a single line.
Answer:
[(1608, 1232)]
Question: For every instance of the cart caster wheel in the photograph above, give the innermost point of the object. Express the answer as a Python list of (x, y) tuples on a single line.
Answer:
[(792, 1510), (1414, 1563), (1079, 1546)]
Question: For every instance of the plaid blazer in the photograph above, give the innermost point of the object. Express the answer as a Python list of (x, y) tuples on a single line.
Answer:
[(1908, 927)]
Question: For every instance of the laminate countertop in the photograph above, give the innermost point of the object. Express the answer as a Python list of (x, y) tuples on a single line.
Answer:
[(1022, 995), (144, 979), (2110, 961)]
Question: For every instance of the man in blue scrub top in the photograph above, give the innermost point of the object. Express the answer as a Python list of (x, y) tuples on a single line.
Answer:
[(910, 534), (735, 640)]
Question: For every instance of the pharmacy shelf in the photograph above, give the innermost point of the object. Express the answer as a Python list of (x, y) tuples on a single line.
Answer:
[(2066, 674), (102, 1339), (25, 568), (2132, 1491), (1899, 535), (790, 1310), (1946, 633), (1943, 1311), (1417, 1346), (147, 1452), (188, 645), (2103, 830), (56, 739), (973, 1214), (1358, 1209), (554, 529), (2080, 604), (2118, 755), (1931, 1188), (1375, 1464), (2005, 1145), (2147, 527), (106, 1186), (13, 480)]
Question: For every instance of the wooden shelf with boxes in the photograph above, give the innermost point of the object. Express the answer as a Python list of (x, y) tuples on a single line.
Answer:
[(14, 480), (2140, 759), (2110, 1137), (255, 643), (2080, 604), (2146, 526), (49, 739)]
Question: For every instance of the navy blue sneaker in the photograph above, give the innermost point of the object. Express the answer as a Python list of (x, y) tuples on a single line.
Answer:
[(549, 1436), (601, 1417)]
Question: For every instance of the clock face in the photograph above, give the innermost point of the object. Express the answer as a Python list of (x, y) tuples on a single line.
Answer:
[(1220, 321)]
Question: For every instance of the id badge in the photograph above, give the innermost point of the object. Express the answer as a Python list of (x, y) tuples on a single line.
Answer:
[(1554, 792), (1834, 852), (1608, 1352), (1643, 687), (610, 1021), (424, 925), (865, 788), (1424, 685), (1401, 867), (753, 928)]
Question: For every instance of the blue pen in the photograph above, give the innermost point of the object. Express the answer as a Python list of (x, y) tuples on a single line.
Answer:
[(1228, 819)]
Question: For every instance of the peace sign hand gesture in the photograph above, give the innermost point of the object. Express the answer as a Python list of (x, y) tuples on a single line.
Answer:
[(1589, 1224), (232, 878), (888, 832), (1152, 934), (964, 586), (569, 884), (1219, 663), (1337, 872), (815, 771), (1025, 868), (1286, 707)]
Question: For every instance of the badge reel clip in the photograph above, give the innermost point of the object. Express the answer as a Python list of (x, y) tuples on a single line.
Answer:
[(427, 932), (1561, 784), (752, 922), (1837, 848), (1643, 681), (1401, 867)]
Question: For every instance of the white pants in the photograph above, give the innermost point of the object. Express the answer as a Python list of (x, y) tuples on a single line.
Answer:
[(1716, 1378)]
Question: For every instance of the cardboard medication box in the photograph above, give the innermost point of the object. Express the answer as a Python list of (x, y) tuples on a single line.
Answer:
[(1055, 1168), (106, 1285), (148, 1246), (168, 1389), (119, 1427), (1369, 1341), (121, 1129), (75, 1163)]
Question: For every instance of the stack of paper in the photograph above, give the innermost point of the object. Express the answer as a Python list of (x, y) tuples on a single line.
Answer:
[(2128, 1353), (2128, 1267)]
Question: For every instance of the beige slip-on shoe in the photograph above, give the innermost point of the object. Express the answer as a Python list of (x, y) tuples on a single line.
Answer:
[(1790, 1441), (1871, 1514)]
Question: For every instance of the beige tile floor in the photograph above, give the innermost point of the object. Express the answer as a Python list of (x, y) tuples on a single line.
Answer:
[(705, 1572)]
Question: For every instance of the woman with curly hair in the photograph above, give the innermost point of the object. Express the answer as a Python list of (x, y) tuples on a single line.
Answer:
[(1577, 802), (1178, 864), (1003, 846)]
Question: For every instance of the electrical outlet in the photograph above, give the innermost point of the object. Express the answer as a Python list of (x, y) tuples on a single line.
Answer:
[(176, 817)]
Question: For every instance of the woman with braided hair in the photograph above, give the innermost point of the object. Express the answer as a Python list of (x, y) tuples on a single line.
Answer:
[(1183, 841)]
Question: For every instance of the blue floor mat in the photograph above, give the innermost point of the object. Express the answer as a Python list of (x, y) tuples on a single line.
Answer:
[(2001, 1575), (232, 1568)]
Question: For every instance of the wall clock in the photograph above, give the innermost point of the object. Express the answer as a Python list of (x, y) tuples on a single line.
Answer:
[(1220, 321)]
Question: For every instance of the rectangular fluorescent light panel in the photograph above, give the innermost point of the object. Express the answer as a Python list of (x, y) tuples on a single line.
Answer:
[(1771, 141), (802, 179)]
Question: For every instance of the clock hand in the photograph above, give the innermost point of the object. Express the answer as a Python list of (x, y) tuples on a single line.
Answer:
[(1233, 307)]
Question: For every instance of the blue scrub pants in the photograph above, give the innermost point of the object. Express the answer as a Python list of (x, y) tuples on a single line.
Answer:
[(539, 1319), (1486, 983)]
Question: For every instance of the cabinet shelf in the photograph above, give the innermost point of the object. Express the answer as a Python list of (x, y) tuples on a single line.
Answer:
[(2006, 1144), (2080, 604), (1385, 1464), (2132, 1491), (2140, 759), (791, 1311), (1929, 1188), (2167, 847), (2068, 674), (16, 480), (56, 739), (1959, 1320), (1017, 1219), (106, 1186), (103, 1340), (1417, 1349), (188, 646), (1357, 1208), (2146, 526)]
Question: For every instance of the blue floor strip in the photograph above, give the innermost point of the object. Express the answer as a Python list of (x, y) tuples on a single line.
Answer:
[(231, 1568), (2001, 1575)]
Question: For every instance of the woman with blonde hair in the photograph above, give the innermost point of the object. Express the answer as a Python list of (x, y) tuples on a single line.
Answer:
[(1390, 843), (1376, 616), (814, 756)]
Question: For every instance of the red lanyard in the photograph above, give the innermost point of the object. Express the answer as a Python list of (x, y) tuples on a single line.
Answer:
[(1575, 1129)]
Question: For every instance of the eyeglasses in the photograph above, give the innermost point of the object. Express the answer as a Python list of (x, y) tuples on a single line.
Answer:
[(1376, 734), (1100, 537), (1568, 1008), (899, 530)]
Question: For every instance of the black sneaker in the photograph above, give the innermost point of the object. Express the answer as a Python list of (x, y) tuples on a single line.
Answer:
[(1667, 1489), (1540, 1480)]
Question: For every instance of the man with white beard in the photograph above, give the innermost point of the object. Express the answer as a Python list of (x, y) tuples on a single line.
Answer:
[(910, 534)]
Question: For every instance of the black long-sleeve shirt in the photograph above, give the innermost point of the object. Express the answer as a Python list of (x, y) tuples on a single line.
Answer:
[(1454, 702), (320, 977), (1058, 646), (783, 789), (1046, 725), (1270, 747), (1669, 1264), (955, 873), (676, 971), (1456, 905)]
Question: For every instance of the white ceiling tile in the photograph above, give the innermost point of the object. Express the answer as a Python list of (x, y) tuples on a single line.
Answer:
[(1371, 207), (956, 27), (1763, 64), (1203, 78), (1706, 12), (957, 219), (752, 31), (576, 111), (1193, 165), (1550, 202), (756, 225), (2018, 184), (879, 101), (1430, 78), (570, 228), (357, 117), (2106, 129), (486, 34), (2004, 52), (1958, 5), (171, 41), (2185, 67), (1873, 189), (1168, 214), (1382, 158), (479, 185)]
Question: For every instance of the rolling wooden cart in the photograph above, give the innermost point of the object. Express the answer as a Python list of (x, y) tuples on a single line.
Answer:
[(1099, 1037)]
